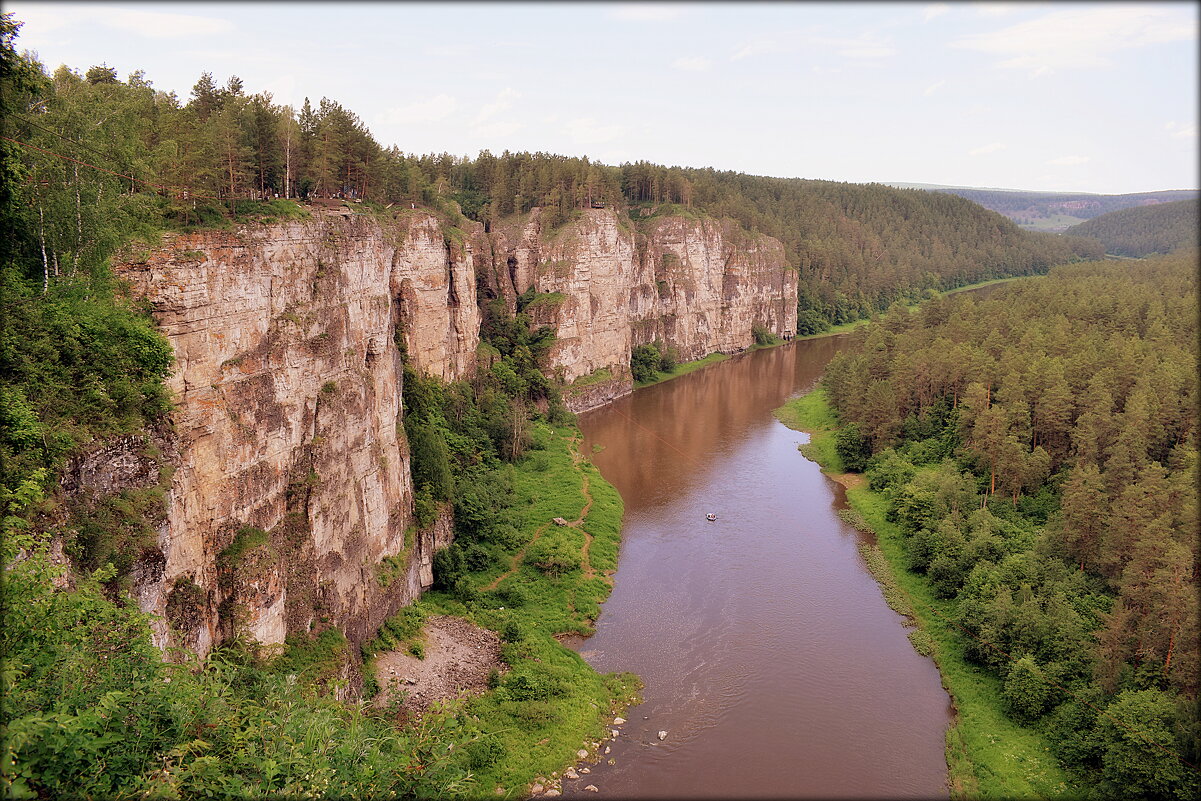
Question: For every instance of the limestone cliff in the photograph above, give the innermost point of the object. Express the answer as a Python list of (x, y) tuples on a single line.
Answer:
[(292, 494), (696, 284), (291, 501)]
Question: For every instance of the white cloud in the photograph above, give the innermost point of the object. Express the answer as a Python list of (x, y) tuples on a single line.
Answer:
[(1182, 131), (865, 45), (451, 50), (587, 131), (691, 64), (936, 10), (432, 109), (646, 12), (149, 24), (1080, 37), (1068, 161), (503, 102), (983, 150), (934, 87)]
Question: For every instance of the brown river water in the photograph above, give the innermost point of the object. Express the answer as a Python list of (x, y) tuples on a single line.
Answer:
[(767, 650)]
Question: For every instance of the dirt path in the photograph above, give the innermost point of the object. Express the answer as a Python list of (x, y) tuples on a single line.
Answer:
[(516, 561), (458, 658), (576, 459)]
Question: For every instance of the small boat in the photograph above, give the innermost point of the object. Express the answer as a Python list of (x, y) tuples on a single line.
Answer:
[(710, 516)]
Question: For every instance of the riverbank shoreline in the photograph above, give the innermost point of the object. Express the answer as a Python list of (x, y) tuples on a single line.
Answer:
[(988, 754), (536, 704)]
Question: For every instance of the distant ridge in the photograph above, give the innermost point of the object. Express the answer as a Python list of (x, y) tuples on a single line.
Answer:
[(1143, 230), (1052, 211)]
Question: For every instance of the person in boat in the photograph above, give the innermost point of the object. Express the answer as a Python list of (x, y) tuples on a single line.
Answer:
[(710, 516)]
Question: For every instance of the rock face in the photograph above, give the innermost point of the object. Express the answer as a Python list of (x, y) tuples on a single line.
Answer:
[(696, 284), (293, 485), (291, 497), (704, 286)]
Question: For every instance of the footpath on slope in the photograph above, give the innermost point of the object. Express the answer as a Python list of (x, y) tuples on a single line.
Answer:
[(576, 459)]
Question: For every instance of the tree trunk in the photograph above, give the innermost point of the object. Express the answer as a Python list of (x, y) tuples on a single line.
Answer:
[(78, 224), (42, 240)]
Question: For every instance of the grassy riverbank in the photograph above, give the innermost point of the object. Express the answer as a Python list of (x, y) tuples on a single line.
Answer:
[(988, 754), (546, 579), (683, 369)]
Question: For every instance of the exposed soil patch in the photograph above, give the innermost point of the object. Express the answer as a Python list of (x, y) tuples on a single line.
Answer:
[(458, 658), (848, 480)]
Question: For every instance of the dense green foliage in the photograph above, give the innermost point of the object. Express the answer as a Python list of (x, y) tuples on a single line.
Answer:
[(1161, 228), (648, 361), (91, 710), (1037, 452), (77, 360)]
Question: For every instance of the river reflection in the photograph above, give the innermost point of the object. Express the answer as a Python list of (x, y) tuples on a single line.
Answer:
[(768, 653)]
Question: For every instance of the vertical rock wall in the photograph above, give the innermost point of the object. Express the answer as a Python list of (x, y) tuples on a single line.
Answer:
[(696, 284), (291, 502), (292, 494)]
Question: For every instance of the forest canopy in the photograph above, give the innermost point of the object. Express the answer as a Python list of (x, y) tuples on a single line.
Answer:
[(1160, 228), (1038, 450)]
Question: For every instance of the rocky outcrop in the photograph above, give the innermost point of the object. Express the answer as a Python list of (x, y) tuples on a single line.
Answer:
[(705, 285), (584, 396), (292, 494), (291, 502), (604, 284)]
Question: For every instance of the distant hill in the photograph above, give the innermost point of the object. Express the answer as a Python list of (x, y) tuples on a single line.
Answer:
[(1142, 230), (1053, 211)]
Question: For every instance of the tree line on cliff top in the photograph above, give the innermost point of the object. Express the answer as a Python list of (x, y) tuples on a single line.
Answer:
[(1038, 450), (857, 248)]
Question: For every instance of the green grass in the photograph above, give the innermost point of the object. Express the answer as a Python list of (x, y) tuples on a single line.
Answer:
[(597, 376), (684, 369), (551, 703), (988, 754), (546, 299)]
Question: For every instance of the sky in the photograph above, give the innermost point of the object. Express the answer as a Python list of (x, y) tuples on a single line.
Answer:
[(1081, 97)]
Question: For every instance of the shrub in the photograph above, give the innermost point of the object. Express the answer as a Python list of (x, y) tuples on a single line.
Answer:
[(762, 336), (1026, 693), (853, 448), (644, 362), (554, 555)]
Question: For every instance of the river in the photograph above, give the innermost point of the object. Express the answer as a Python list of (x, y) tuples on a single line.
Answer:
[(767, 650)]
